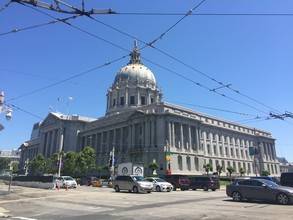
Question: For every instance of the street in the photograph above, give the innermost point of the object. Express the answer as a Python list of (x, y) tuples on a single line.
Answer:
[(104, 203)]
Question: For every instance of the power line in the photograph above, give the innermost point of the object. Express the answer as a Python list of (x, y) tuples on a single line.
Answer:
[(5, 6), (39, 25), (58, 4), (211, 108), (202, 14), (49, 78), (67, 79), (150, 44)]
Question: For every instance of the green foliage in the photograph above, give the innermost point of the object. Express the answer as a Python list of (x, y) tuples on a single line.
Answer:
[(80, 163), (219, 169), (265, 173), (4, 163), (153, 166), (37, 166), (69, 163), (15, 167), (89, 155), (230, 170), (208, 167), (52, 164), (242, 171)]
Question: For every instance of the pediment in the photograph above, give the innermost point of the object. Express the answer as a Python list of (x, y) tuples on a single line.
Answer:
[(50, 119)]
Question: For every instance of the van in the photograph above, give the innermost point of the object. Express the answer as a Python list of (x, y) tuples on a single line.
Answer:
[(205, 183), (178, 181), (287, 179), (132, 183)]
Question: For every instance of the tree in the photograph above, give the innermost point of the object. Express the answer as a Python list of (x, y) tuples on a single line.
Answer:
[(230, 170), (265, 173), (69, 163), (4, 163), (242, 171), (52, 164), (86, 160), (219, 169), (15, 167), (37, 165), (208, 167), (153, 166)]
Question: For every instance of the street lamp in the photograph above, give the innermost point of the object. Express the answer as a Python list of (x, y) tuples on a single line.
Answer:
[(3, 109)]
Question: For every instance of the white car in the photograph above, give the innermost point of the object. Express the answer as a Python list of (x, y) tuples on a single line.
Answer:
[(160, 184), (65, 181)]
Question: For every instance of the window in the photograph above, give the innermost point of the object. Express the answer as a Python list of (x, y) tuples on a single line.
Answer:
[(188, 163), (244, 182), (196, 164), (132, 100), (142, 100), (180, 162), (122, 101), (114, 102), (152, 100)]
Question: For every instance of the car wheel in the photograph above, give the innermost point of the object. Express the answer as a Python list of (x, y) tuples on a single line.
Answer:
[(237, 196), (135, 189), (149, 191), (282, 199), (117, 188), (174, 187), (205, 188), (182, 189), (213, 189), (158, 188)]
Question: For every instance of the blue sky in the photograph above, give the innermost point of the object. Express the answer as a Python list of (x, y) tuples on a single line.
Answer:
[(251, 53)]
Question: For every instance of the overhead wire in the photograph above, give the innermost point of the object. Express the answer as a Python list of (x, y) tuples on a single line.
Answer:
[(183, 63), (38, 25), (5, 6), (49, 78), (150, 44), (67, 79)]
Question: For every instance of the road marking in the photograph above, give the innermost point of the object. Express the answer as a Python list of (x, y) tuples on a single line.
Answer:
[(24, 218)]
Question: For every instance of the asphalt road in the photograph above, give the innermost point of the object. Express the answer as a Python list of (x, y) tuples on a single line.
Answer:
[(104, 203)]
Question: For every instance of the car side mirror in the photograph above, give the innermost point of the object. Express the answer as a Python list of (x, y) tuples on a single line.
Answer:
[(265, 186)]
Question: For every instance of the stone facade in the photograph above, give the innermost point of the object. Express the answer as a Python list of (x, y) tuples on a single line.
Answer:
[(142, 129)]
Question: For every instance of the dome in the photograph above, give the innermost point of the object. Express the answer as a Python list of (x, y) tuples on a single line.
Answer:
[(136, 70)]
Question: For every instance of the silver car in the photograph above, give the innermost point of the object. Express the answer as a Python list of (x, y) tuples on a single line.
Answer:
[(132, 183), (259, 189), (65, 181), (160, 184)]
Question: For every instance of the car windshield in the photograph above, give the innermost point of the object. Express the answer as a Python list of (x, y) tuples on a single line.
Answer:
[(160, 180), (138, 178), (68, 178)]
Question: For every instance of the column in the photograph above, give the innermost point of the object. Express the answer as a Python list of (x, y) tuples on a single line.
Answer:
[(181, 136), (189, 137), (173, 134)]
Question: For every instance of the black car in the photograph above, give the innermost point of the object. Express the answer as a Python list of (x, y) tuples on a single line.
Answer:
[(205, 183), (270, 178), (287, 179), (259, 189)]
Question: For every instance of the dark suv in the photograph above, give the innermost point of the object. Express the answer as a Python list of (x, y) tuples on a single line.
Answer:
[(205, 183), (178, 181)]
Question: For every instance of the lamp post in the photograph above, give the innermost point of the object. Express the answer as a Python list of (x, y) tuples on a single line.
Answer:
[(3, 109)]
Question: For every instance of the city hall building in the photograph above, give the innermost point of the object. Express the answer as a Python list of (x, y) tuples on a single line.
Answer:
[(142, 128)]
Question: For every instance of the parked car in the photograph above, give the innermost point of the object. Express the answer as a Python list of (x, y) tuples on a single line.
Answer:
[(65, 181), (287, 179), (271, 178), (132, 183), (178, 181), (160, 184), (259, 189), (88, 180), (205, 183)]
